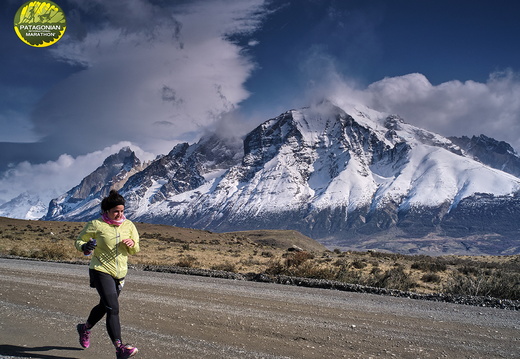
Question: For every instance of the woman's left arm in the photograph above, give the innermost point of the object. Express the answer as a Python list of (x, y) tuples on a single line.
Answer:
[(132, 242)]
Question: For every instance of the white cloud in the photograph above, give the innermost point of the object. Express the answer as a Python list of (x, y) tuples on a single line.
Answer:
[(151, 75), (452, 108)]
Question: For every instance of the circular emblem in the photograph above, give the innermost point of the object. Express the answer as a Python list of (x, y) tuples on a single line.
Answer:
[(40, 23)]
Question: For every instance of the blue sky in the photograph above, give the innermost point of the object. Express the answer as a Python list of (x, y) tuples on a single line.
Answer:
[(153, 73)]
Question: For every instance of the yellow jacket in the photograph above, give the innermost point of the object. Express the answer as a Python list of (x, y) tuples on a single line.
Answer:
[(110, 255)]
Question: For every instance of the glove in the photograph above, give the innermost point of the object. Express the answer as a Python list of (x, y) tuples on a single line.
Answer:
[(89, 246)]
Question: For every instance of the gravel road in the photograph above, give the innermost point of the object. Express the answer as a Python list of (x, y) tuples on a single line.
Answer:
[(181, 316)]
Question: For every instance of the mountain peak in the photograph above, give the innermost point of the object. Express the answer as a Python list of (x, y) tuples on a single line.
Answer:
[(82, 199)]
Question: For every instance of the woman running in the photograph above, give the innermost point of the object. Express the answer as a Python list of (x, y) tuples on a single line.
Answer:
[(110, 239)]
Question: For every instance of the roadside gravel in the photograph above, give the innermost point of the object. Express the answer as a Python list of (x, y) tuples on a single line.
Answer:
[(182, 316)]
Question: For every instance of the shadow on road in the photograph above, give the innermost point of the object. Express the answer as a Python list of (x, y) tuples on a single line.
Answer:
[(28, 352)]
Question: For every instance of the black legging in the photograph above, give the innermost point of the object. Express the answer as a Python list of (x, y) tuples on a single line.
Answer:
[(108, 288)]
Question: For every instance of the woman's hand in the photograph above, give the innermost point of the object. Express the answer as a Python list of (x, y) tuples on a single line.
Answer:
[(129, 242)]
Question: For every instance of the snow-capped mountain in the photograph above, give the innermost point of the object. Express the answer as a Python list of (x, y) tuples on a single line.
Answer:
[(83, 200), (184, 169), (350, 178), (24, 206)]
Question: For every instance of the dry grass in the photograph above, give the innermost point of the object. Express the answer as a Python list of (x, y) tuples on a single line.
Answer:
[(267, 252)]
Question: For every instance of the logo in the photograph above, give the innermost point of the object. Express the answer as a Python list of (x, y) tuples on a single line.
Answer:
[(40, 23)]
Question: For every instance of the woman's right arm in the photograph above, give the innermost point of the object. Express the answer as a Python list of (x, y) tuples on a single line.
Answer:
[(88, 232)]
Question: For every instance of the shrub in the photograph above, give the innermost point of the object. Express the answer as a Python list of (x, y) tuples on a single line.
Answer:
[(349, 276), (394, 278), (498, 284), (311, 270), (17, 251), (298, 258), (469, 270), (340, 263), (275, 267), (52, 252), (375, 270), (187, 261), (431, 278), (359, 264), (250, 261), (429, 266), (301, 267)]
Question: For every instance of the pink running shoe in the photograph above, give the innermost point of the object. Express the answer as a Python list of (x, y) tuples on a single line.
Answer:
[(125, 351), (84, 335)]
